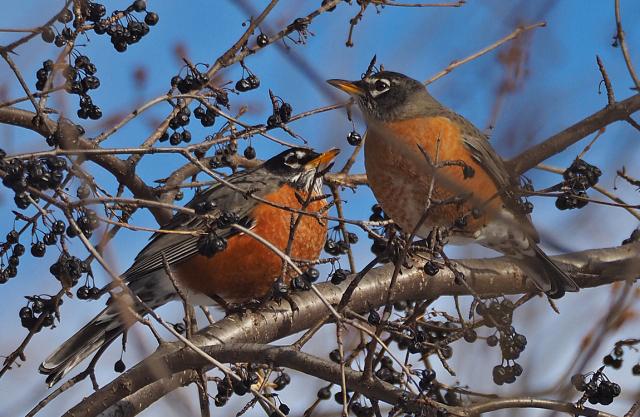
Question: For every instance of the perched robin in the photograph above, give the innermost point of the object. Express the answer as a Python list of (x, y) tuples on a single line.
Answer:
[(221, 263), (426, 162)]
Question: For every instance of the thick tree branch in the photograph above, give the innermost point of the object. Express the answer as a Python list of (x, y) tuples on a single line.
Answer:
[(560, 141), (486, 276), (526, 402)]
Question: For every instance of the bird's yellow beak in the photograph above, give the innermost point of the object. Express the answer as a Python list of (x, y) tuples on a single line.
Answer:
[(348, 87), (325, 159)]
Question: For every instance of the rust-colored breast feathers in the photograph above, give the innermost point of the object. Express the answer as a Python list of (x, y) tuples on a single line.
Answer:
[(400, 177), (247, 268)]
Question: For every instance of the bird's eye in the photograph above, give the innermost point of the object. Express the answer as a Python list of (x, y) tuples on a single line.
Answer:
[(381, 85)]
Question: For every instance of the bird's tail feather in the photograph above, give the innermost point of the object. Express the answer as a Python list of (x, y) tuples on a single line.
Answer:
[(547, 274), (99, 332)]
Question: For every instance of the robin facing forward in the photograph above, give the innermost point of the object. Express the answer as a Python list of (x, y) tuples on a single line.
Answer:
[(424, 160), (222, 263)]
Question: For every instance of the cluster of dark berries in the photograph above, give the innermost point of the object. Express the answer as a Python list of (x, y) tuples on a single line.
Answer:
[(80, 79), (193, 80), (223, 155), (596, 387), (86, 292), (495, 313), (614, 359), (210, 243), (427, 377), (335, 246), (338, 276), (251, 82), (226, 219), (578, 178), (354, 138), (38, 307), (180, 120), (122, 36), (387, 373), (42, 174), (87, 221), (506, 374), (303, 282), (423, 338), (281, 113), (43, 74), (206, 115), (228, 386), (68, 269), (11, 270)]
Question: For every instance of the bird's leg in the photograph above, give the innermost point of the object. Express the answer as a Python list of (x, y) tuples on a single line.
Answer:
[(236, 308)]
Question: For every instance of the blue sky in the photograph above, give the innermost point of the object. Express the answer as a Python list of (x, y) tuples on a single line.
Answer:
[(560, 87)]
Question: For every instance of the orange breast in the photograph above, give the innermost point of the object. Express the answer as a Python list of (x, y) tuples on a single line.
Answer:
[(400, 177), (246, 268)]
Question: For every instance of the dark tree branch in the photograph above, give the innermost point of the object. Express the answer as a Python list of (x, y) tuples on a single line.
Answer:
[(560, 141), (487, 277)]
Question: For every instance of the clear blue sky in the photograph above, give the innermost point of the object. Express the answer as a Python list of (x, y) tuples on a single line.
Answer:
[(559, 87)]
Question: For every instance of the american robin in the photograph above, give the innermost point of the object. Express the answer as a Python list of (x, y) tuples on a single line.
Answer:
[(221, 263), (414, 144)]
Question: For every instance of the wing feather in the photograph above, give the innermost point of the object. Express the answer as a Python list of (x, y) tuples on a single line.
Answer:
[(178, 247)]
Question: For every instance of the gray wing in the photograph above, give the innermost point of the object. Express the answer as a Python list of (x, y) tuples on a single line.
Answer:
[(483, 153), (178, 247)]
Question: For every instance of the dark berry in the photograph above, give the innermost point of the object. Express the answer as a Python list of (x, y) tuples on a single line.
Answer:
[(284, 409), (38, 249), (249, 152), (83, 191), (262, 40), (636, 369), (374, 318), (352, 237), (18, 250), (139, 5), (285, 112), (470, 335), (431, 268), (338, 276), (254, 82), (175, 138), (354, 138), (83, 292), (26, 313), (12, 237), (119, 366), (58, 227), (312, 274), (151, 18), (65, 16), (324, 393), (48, 35), (492, 340), (334, 355), (339, 397), (243, 85)]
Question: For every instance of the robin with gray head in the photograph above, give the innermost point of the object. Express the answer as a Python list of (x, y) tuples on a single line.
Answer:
[(222, 264), (415, 144)]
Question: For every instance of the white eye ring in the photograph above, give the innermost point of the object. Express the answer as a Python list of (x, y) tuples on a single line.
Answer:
[(380, 86)]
